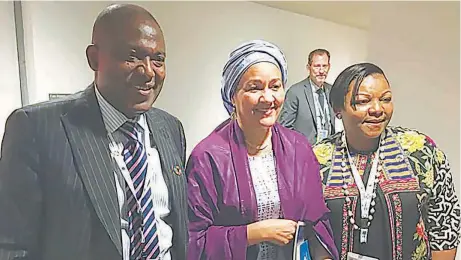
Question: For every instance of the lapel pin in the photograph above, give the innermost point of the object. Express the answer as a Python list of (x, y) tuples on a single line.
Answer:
[(177, 170)]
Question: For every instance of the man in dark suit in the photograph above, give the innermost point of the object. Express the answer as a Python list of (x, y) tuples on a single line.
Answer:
[(99, 174), (306, 108)]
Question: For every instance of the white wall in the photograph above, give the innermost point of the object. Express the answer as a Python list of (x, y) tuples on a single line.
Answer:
[(417, 46), (199, 36), (10, 96), (55, 46), (416, 43)]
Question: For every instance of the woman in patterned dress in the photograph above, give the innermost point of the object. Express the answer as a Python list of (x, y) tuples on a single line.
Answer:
[(389, 189), (247, 180)]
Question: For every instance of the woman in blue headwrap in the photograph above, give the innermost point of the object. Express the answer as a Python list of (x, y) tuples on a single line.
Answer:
[(251, 180)]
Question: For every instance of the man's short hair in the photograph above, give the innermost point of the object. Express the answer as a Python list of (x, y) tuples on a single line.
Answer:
[(317, 52), (113, 16)]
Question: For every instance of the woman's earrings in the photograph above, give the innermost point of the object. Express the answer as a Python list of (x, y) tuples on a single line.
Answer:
[(233, 115)]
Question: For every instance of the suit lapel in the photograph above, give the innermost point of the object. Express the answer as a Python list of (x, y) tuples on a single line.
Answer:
[(310, 100), (172, 167), (89, 144), (173, 174)]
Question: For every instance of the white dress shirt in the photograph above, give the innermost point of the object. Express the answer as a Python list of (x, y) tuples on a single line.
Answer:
[(113, 119)]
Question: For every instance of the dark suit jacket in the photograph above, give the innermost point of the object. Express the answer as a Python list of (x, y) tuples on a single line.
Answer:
[(58, 198), (298, 110)]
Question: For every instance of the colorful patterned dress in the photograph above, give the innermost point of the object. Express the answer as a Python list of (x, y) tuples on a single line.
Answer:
[(416, 208)]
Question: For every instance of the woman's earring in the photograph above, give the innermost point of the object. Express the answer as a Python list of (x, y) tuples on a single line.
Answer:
[(233, 115), (339, 116)]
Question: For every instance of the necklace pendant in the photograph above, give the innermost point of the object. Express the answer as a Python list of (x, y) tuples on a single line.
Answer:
[(363, 235)]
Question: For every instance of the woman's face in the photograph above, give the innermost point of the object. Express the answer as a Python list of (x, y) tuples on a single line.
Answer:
[(260, 95), (373, 109)]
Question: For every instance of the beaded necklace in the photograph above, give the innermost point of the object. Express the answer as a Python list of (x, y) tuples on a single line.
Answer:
[(367, 193)]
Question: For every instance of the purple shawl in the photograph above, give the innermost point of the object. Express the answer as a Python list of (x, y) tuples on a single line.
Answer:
[(222, 201)]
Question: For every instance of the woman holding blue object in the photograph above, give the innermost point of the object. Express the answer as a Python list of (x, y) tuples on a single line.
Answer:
[(251, 180)]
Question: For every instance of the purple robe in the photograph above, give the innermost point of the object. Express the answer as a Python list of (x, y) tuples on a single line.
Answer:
[(222, 200)]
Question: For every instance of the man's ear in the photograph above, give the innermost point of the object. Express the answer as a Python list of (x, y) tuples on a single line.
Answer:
[(92, 56)]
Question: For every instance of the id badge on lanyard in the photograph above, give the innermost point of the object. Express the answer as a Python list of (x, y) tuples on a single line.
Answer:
[(366, 192), (322, 131), (354, 256), (321, 134)]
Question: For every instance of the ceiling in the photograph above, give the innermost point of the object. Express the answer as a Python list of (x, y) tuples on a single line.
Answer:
[(355, 14)]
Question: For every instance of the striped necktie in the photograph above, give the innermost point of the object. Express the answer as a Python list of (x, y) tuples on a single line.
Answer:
[(142, 225)]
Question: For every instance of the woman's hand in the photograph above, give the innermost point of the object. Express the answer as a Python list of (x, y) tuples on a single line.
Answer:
[(278, 231)]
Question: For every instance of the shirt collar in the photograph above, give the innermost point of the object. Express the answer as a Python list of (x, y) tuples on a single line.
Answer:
[(314, 86), (112, 118)]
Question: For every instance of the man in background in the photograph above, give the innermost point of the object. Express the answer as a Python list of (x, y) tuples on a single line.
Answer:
[(99, 174), (306, 108)]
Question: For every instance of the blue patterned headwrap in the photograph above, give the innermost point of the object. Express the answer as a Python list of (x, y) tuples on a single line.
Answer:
[(243, 57)]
